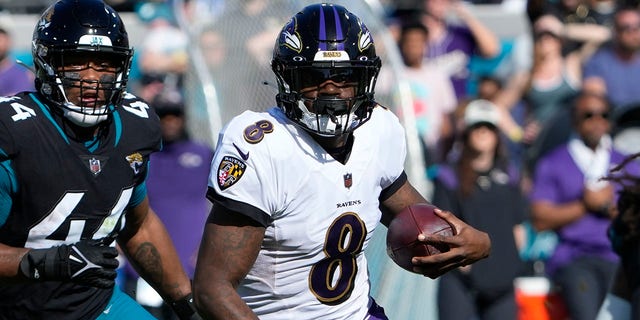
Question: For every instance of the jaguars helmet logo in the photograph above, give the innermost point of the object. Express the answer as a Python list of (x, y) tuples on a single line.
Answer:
[(135, 161)]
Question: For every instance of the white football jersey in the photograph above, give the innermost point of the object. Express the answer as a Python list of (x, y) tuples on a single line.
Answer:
[(321, 212)]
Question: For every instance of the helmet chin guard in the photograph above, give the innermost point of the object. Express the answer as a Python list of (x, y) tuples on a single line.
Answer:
[(75, 114), (325, 42), (333, 116)]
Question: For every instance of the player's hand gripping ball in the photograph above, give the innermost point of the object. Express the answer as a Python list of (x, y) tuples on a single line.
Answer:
[(402, 235)]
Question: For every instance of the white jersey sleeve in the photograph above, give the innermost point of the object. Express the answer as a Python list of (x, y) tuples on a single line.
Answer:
[(393, 143), (242, 168)]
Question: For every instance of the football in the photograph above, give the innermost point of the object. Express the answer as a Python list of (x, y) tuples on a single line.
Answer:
[(402, 235)]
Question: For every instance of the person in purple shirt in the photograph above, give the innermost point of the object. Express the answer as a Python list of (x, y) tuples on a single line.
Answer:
[(615, 68), (176, 185), (14, 78), (452, 44), (570, 197)]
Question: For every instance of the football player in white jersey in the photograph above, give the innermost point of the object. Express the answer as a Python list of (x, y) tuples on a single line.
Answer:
[(297, 191)]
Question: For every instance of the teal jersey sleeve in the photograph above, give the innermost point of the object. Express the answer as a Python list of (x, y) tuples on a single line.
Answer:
[(8, 186), (139, 193)]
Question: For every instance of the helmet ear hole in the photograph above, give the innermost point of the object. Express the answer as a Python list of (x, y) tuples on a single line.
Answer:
[(344, 52)]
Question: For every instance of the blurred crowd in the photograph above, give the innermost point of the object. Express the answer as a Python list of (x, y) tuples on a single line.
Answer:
[(521, 153), (516, 149)]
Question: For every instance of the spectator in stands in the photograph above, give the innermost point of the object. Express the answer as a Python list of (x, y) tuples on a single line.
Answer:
[(151, 86), (571, 11), (452, 44), (569, 197), (176, 184), (215, 50), (482, 186), (584, 20), (14, 78), (549, 87), (199, 11), (615, 69), (554, 81), (432, 93), (490, 88), (177, 181), (163, 53), (250, 29)]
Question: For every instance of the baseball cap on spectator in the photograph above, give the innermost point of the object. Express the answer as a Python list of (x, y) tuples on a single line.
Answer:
[(481, 111)]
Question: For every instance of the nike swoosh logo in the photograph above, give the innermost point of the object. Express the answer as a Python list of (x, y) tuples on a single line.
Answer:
[(245, 156)]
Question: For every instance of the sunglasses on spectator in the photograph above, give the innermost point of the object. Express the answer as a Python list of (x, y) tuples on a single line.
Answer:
[(628, 27), (589, 115)]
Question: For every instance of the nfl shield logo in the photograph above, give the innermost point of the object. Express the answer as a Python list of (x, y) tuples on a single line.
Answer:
[(94, 166), (348, 180)]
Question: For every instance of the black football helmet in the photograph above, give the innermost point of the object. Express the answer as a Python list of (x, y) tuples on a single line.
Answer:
[(85, 30), (321, 42)]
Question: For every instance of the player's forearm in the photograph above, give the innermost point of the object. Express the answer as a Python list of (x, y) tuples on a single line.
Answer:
[(221, 302), (154, 257), (406, 195), (9, 263)]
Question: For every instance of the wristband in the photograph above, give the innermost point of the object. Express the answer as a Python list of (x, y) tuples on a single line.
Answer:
[(184, 308)]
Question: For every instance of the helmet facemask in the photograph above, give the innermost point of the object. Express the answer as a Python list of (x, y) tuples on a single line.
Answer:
[(327, 115), (61, 73)]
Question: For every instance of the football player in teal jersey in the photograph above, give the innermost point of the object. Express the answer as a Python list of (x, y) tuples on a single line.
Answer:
[(74, 157)]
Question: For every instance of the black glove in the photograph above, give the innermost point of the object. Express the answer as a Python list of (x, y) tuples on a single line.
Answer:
[(85, 262), (185, 309)]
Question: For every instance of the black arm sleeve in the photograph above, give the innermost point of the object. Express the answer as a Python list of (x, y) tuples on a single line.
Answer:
[(226, 211), (390, 190)]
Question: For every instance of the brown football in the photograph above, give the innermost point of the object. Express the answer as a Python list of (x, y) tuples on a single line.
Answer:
[(402, 235)]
